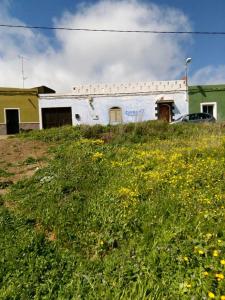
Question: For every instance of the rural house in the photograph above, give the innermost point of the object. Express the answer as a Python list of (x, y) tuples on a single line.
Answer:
[(208, 99), (19, 109), (115, 103)]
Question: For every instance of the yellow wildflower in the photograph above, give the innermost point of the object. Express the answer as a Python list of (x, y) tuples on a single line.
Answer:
[(222, 297), (97, 155), (219, 276), (186, 258), (211, 295), (209, 235), (188, 286), (205, 273), (222, 261), (215, 253), (201, 252), (127, 192), (219, 241), (98, 142)]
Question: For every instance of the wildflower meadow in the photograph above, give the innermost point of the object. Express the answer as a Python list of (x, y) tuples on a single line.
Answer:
[(134, 211)]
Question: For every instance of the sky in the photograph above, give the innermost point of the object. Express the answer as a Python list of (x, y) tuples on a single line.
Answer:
[(64, 59)]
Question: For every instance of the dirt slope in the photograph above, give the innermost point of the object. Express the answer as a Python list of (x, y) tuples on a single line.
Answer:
[(19, 159)]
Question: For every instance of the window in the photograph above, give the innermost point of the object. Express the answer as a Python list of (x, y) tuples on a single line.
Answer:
[(115, 115), (209, 108)]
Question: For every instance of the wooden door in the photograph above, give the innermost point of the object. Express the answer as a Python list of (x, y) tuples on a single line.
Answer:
[(164, 112), (12, 121), (56, 117)]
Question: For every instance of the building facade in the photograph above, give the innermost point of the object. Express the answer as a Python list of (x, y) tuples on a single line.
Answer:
[(209, 99), (115, 103), (19, 109)]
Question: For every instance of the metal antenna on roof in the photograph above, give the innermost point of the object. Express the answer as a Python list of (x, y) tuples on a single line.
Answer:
[(22, 68)]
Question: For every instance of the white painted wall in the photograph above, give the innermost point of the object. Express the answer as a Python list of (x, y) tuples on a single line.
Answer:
[(136, 107)]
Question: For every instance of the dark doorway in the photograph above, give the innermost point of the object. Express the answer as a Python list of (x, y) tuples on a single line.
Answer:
[(164, 112), (56, 117), (12, 121)]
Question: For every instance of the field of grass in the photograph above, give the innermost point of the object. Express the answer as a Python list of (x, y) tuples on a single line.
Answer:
[(126, 212)]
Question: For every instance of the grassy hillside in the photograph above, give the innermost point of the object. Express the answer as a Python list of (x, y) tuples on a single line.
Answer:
[(125, 212)]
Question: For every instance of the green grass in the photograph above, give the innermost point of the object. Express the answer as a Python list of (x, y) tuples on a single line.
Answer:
[(4, 173), (138, 216), (32, 160)]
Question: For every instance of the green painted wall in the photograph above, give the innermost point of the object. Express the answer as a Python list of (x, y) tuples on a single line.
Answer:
[(207, 93), (24, 99)]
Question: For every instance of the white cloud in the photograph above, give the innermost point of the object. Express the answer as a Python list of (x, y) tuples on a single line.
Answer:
[(209, 75), (83, 57)]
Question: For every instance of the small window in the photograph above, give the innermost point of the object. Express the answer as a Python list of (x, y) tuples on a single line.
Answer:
[(115, 115), (208, 109)]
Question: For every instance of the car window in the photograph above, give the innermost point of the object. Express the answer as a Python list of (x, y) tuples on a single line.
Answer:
[(201, 116), (206, 116), (193, 117)]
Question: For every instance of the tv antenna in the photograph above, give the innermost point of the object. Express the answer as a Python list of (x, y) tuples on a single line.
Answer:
[(21, 57)]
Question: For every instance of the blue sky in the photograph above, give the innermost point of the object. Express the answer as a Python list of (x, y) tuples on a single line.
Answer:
[(207, 52)]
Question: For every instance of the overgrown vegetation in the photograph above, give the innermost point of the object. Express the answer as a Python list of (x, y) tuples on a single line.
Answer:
[(126, 212)]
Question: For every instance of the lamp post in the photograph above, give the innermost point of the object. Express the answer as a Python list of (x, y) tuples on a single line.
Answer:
[(187, 61)]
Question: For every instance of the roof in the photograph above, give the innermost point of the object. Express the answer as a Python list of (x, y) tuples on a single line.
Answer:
[(21, 91), (206, 88), (45, 90)]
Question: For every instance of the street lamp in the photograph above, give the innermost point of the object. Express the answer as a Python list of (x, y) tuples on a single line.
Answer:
[(187, 61)]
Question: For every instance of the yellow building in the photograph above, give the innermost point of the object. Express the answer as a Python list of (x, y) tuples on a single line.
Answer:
[(19, 109)]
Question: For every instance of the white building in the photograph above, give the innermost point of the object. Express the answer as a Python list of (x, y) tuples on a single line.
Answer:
[(115, 103)]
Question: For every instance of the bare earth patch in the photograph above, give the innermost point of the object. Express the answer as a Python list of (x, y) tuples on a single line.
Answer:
[(20, 159)]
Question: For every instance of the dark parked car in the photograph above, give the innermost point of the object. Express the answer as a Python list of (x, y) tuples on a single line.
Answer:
[(195, 118)]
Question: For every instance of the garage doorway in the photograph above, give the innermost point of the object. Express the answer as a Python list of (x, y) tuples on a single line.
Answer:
[(12, 121), (56, 117)]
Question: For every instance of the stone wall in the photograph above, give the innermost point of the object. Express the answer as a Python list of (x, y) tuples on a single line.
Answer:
[(2, 129), (29, 126), (23, 127)]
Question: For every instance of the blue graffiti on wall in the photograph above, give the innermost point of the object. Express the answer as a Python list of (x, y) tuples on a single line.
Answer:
[(134, 113)]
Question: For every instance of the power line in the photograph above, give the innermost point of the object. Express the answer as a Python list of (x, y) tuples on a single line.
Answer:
[(113, 30)]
